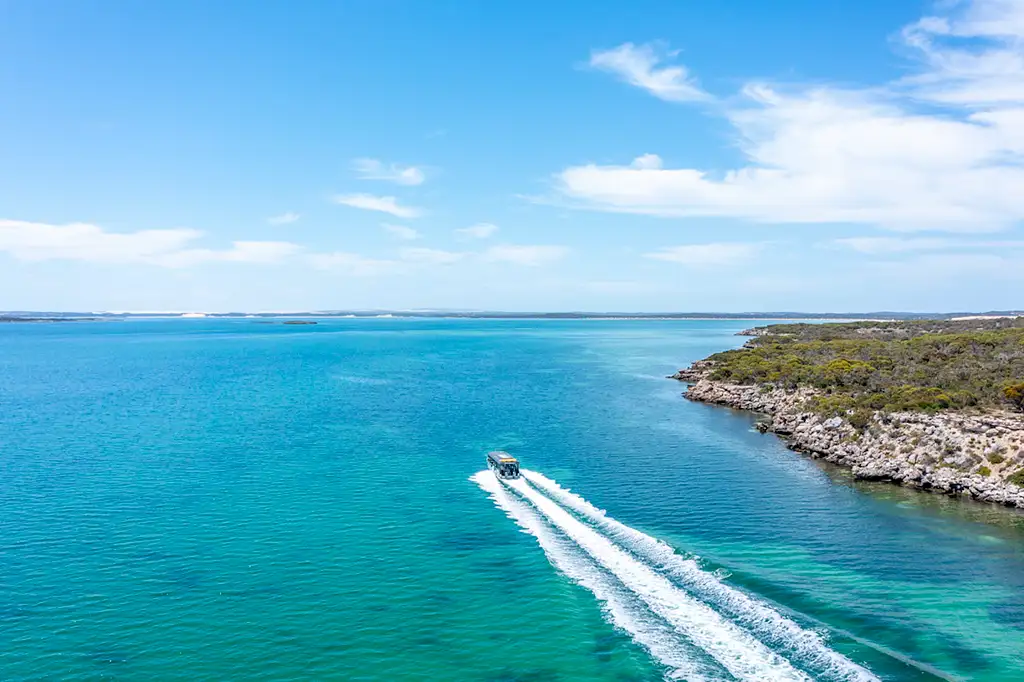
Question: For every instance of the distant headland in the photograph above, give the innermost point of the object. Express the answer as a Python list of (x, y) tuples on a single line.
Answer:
[(933, 404)]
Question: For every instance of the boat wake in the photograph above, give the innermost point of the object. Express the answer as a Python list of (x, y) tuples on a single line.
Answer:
[(697, 626), (685, 661)]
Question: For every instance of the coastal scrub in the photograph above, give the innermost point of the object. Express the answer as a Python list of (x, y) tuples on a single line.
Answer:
[(1014, 394), (874, 367), (923, 403)]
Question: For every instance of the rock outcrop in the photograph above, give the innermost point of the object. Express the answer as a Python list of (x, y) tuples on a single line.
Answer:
[(948, 452), (694, 373)]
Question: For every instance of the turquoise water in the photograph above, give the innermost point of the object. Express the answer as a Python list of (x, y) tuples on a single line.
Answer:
[(220, 499)]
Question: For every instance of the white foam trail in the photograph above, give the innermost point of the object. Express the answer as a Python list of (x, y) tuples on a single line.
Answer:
[(738, 652), (770, 626), (660, 640)]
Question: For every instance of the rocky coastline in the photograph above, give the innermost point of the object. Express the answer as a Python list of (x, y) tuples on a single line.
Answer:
[(954, 453)]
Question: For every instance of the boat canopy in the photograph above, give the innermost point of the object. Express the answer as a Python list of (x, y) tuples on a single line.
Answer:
[(503, 464), (501, 457)]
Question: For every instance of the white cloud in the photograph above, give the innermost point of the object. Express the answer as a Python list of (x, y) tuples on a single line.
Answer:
[(284, 218), (240, 252), (370, 202), (531, 255), (81, 241), (882, 245), (647, 162), (882, 155), (401, 231), (363, 266), (890, 245), (431, 256), (30, 241), (638, 65), (373, 169), (707, 255), (478, 231), (354, 264), (962, 71)]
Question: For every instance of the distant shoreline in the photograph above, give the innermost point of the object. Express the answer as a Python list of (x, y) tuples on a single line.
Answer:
[(55, 316), (30, 320)]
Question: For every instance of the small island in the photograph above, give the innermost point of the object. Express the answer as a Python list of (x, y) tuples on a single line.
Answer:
[(933, 404), (17, 319)]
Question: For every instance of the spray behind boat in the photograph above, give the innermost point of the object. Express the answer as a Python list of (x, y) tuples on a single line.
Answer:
[(503, 464)]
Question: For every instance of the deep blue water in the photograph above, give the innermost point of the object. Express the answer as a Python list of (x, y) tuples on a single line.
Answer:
[(221, 499)]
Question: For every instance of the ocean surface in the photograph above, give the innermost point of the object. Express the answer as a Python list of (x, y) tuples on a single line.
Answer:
[(228, 500)]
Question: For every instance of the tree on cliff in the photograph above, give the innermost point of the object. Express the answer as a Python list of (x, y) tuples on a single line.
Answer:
[(1014, 393)]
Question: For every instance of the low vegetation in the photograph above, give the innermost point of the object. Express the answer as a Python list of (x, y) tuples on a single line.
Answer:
[(886, 331), (921, 365), (1014, 394)]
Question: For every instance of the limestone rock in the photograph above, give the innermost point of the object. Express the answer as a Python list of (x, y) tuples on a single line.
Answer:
[(942, 452)]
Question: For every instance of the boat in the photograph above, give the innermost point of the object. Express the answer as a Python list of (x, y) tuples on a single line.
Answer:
[(503, 464)]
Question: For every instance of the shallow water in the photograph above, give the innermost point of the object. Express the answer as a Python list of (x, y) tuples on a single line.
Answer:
[(216, 499)]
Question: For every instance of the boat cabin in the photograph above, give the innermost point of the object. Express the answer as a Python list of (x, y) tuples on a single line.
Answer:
[(503, 464)]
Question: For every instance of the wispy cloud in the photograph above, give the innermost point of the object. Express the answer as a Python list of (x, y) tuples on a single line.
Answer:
[(30, 241), (240, 252), (478, 231), (384, 204), (374, 169), (973, 54), (879, 245), (354, 264), (893, 245), (284, 218), (408, 260), (521, 254), (432, 256), (707, 255), (882, 155), (401, 231), (640, 65)]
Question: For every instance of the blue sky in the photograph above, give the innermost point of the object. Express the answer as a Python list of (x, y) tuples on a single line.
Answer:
[(685, 155)]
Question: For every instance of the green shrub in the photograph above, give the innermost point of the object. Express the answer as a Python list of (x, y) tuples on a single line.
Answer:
[(1017, 478), (860, 419), (832, 406), (914, 366), (995, 458), (984, 471), (1014, 394)]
